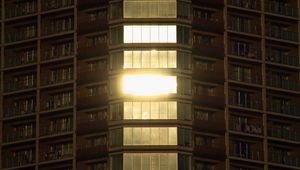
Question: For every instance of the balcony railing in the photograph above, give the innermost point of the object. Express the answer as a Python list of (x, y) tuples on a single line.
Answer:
[(246, 128), (281, 9), (18, 110), (245, 28), (279, 158), (21, 9), (205, 125), (85, 125), (58, 26), (282, 59), (284, 133), (17, 136), (92, 152), (251, 154), (249, 4), (210, 151), (18, 159), (55, 4), (251, 104), (59, 76), (20, 85), (49, 131), (282, 34), (54, 155), (283, 84), (57, 52), (21, 35), (293, 110), (235, 76), (13, 61), (251, 53)]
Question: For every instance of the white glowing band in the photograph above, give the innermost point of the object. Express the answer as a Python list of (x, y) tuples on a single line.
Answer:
[(149, 84)]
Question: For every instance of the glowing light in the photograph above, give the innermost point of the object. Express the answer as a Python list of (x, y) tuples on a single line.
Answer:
[(149, 84)]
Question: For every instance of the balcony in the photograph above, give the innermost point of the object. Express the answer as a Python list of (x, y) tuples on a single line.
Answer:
[(283, 59), (22, 33), (87, 153), (56, 4), (284, 159), (215, 72), (56, 100), (58, 51), (56, 153), (283, 84), (215, 125), (284, 133), (23, 58), (21, 82), (213, 24), (244, 50), (209, 96), (247, 4), (86, 75), (19, 107), (88, 24), (286, 109), (57, 75), (249, 26), (284, 9), (250, 128), (91, 4), (23, 133), (86, 125), (92, 45), (252, 154), (20, 8), (282, 34), (55, 26), (215, 3), (250, 104), (18, 158), (59, 127), (238, 76), (213, 150), (215, 50)]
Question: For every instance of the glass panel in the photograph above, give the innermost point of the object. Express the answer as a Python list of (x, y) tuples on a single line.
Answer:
[(128, 136), (145, 34), (128, 162), (163, 59), (146, 136), (137, 110), (172, 34), (136, 34), (172, 59), (128, 34), (172, 110), (155, 136), (154, 59), (155, 110), (137, 59), (154, 31), (145, 110), (128, 110), (173, 136), (163, 136), (137, 160), (137, 135), (127, 59), (163, 112), (146, 162), (145, 59)]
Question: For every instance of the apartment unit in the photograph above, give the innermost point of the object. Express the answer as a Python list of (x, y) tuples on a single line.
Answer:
[(149, 84)]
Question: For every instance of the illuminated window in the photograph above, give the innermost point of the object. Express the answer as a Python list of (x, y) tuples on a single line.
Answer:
[(150, 110), (150, 161), (150, 34), (150, 59), (149, 84), (150, 8), (150, 136)]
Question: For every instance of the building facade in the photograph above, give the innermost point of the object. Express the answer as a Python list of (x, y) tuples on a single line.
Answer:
[(150, 85)]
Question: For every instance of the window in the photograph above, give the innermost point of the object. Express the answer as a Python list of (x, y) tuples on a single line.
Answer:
[(184, 35), (150, 110), (184, 85), (116, 11), (150, 34), (116, 35), (150, 136), (150, 8), (183, 10), (149, 84), (153, 161), (150, 59)]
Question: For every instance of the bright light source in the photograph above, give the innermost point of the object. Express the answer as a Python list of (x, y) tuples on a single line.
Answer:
[(149, 84)]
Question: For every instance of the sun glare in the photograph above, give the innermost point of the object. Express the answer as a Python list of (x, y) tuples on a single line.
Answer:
[(149, 84)]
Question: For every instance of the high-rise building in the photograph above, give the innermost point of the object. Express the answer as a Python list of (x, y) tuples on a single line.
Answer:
[(149, 85)]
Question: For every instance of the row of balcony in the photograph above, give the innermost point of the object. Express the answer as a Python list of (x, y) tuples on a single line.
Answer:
[(275, 7), (23, 8)]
